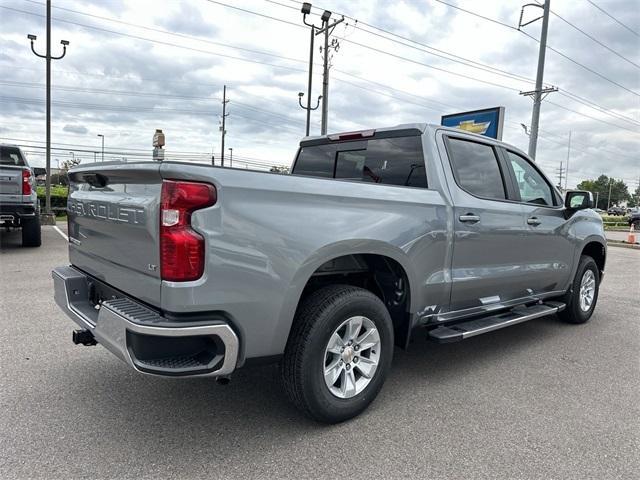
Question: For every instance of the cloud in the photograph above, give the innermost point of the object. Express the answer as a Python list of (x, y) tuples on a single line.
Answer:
[(79, 129), (188, 20), (125, 80)]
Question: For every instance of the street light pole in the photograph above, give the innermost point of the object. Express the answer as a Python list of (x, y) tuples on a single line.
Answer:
[(609, 198), (102, 136), (306, 9), (230, 157), (48, 59)]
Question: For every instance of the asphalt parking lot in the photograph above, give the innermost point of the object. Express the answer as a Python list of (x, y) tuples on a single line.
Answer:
[(538, 400)]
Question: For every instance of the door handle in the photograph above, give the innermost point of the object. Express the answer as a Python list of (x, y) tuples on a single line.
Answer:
[(469, 218), (533, 221)]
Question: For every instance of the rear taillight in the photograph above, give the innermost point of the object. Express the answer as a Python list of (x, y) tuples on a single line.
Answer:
[(26, 182), (181, 247)]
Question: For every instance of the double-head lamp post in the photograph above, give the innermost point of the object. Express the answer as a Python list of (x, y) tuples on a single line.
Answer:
[(48, 57), (306, 10)]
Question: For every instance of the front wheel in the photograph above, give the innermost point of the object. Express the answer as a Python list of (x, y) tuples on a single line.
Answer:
[(338, 353), (581, 301)]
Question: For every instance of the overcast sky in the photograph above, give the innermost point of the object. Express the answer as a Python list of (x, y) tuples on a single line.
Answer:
[(135, 65)]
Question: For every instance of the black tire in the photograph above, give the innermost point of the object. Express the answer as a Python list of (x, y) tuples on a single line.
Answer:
[(31, 235), (318, 316), (573, 313)]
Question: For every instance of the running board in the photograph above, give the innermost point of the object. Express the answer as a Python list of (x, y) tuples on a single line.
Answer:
[(471, 328)]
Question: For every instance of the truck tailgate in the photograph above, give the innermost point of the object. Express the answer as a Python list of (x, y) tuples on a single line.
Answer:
[(113, 215), (11, 183)]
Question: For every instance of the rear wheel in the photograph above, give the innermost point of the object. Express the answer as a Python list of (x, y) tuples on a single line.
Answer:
[(582, 300), (31, 234), (338, 353)]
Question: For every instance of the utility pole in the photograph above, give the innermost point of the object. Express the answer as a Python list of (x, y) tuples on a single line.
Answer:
[(539, 93), (224, 117), (306, 9), (597, 196), (102, 136), (48, 58), (609, 199), (327, 30), (230, 157), (560, 172), (566, 179)]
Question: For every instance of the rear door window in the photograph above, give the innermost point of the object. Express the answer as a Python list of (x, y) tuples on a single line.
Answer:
[(476, 168), (390, 161)]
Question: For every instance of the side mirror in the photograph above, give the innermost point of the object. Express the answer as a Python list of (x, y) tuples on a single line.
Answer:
[(37, 171), (578, 200)]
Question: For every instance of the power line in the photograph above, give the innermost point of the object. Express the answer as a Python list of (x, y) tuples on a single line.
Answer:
[(589, 69), (160, 42), (147, 94), (251, 50), (595, 39), (566, 57), (166, 32), (589, 116), (281, 66), (598, 108), (481, 66), (425, 47), (492, 20), (133, 109), (614, 18)]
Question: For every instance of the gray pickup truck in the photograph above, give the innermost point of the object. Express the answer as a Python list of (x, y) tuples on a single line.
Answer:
[(183, 269), (19, 207)]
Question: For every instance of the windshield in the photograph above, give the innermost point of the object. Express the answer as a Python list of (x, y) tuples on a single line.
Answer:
[(11, 156)]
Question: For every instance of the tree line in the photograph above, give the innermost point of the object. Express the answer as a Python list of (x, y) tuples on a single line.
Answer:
[(608, 192)]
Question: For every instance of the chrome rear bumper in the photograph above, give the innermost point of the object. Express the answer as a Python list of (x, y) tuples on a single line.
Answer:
[(147, 341)]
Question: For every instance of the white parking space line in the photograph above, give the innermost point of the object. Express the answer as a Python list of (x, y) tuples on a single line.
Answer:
[(64, 235)]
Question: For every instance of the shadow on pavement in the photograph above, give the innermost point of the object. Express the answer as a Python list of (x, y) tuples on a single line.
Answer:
[(184, 414), (11, 239)]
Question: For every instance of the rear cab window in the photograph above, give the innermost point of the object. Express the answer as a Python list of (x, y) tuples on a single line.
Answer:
[(11, 156), (388, 161)]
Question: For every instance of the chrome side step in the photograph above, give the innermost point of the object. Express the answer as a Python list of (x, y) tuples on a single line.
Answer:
[(478, 326)]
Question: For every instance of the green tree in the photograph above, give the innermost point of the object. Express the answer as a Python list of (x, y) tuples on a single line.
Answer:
[(600, 189), (634, 198)]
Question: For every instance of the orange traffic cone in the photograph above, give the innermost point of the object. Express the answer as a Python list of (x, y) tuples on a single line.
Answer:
[(631, 237)]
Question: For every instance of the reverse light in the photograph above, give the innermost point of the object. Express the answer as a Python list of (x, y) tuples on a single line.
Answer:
[(182, 248), (26, 182)]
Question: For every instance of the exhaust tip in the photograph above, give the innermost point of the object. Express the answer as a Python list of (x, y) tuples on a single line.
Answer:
[(83, 337)]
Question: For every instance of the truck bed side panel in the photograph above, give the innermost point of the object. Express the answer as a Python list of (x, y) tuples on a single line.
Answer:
[(268, 233)]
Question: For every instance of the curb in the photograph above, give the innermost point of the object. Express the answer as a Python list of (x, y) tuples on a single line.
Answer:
[(615, 243)]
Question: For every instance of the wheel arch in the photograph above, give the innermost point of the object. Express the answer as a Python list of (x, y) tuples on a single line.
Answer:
[(376, 255), (598, 251)]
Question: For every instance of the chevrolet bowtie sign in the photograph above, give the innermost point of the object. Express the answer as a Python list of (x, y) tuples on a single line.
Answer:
[(486, 122)]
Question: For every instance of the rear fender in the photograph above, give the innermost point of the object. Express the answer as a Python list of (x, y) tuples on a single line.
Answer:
[(323, 255)]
